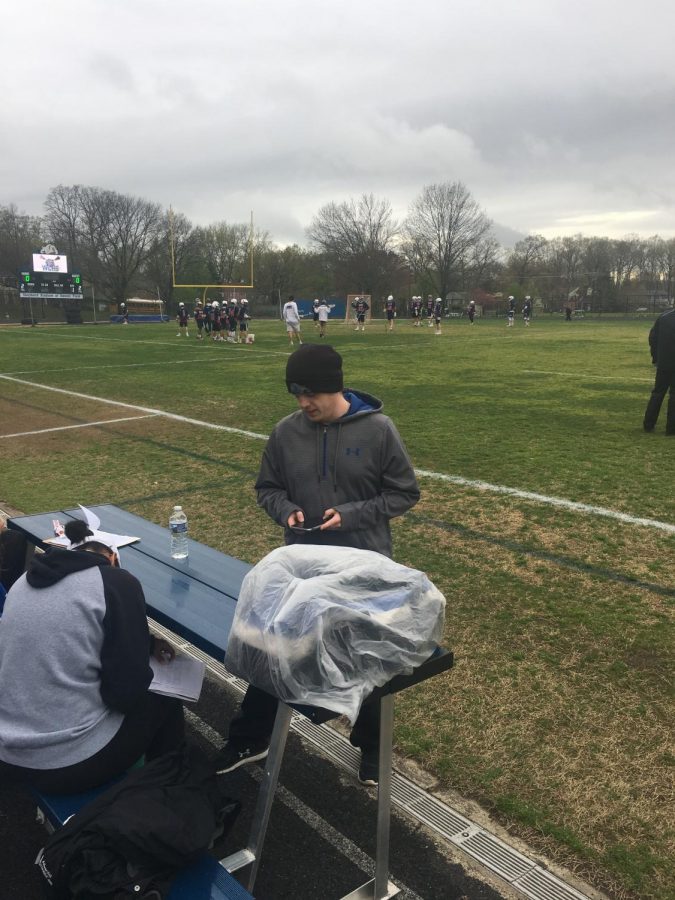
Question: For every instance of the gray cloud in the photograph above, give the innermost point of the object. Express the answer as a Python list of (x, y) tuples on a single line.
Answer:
[(558, 116)]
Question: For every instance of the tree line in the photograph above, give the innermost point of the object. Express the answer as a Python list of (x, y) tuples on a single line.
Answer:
[(445, 246)]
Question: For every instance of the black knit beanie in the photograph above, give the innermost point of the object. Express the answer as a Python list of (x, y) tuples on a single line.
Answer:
[(316, 367)]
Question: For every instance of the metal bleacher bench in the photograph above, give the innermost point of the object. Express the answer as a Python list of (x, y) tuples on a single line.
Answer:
[(196, 598)]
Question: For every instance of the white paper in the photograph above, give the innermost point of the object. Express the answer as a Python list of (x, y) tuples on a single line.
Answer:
[(181, 677), (93, 522)]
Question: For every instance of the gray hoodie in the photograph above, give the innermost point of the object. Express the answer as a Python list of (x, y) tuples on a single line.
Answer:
[(357, 465), (74, 658)]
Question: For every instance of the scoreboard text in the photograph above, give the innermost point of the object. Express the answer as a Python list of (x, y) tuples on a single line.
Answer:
[(40, 286)]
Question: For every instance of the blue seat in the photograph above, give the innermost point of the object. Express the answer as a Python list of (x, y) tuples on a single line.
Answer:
[(205, 879)]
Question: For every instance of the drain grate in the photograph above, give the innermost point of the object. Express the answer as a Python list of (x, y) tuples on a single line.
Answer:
[(492, 852), (523, 874), (541, 885)]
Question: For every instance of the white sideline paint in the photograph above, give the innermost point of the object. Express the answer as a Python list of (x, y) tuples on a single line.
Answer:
[(422, 473), (121, 340), (580, 376), (81, 425), (169, 362), (144, 409), (549, 501)]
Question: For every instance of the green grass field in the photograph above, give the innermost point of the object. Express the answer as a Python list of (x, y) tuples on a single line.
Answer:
[(558, 715)]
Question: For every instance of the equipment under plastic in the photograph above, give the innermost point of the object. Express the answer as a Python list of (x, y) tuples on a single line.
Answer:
[(324, 626)]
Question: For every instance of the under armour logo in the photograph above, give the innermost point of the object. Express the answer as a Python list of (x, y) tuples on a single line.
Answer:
[(355, 450)]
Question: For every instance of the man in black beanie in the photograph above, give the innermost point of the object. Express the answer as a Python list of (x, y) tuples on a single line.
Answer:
[(333, 472)]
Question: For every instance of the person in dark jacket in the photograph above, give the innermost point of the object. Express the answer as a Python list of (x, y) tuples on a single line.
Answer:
[(390, 311), (75, 710), (333, 473), (662, 348)]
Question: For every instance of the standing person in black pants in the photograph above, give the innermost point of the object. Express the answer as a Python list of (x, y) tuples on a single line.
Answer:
[(333, 473), (662, 347)]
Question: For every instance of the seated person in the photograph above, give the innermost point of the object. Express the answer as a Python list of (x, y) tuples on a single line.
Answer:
[(12, 559), (75, 710)]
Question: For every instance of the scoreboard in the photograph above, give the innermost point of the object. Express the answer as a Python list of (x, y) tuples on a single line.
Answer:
[(50, 286)]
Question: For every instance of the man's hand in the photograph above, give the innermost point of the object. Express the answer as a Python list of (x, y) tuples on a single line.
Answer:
[(163, 651), (331, 519), (297, 517)]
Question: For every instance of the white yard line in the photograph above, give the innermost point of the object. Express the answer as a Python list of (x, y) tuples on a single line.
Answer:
[(144, 409), (549, 501), (580, 376), (166, 362), (82, 425), (121, 340), (422, 473)]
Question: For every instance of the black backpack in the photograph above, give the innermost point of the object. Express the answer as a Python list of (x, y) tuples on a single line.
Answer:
[(132, 840)]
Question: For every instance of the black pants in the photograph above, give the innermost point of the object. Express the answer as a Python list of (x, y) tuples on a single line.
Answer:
[(258, 709), (154, 727), (664, 382)]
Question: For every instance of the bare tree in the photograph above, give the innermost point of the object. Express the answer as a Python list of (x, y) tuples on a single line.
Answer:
[(445, 223), (357, 238), (292, 269), (626, 258), (109, 235), (564, 257), (128, 227), (225, 251), (178, 235), (20, 236), (485, 261), (526, 256), (62, 220)]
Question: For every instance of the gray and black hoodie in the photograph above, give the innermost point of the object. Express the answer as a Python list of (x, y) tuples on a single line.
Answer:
[(74, 658), (357, 465)]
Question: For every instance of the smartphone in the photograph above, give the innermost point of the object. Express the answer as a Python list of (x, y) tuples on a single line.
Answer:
[(303, 529)]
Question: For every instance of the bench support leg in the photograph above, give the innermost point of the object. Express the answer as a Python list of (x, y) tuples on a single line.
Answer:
[(251, 856), (380, 888)]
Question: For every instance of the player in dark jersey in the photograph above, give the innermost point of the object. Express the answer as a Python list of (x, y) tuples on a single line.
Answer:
[(229, 315), (416, 310), (199, 319), (471, 311), (243, 317), (438, 313), (527, 311), (429, 310), (390, 311), (315, 311), (511, 312), (124, 312), (182, 318), (216, 322), (360, 306)]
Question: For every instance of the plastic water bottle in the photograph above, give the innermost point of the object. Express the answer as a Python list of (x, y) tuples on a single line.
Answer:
[(178, 526)]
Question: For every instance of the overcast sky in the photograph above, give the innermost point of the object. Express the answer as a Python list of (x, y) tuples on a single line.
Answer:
[(558, 115)]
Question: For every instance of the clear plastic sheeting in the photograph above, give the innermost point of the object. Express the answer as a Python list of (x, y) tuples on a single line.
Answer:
[(324, 626)]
